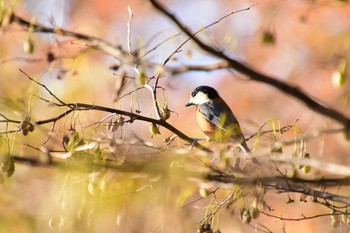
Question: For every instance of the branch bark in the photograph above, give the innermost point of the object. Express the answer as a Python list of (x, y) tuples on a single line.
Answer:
[(98, 43), (285, 184), (87, 107)]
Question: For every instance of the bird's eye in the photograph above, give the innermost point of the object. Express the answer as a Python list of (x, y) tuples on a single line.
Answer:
[(193, 94)]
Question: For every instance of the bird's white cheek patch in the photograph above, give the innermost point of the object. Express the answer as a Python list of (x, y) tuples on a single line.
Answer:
[(200, 98)]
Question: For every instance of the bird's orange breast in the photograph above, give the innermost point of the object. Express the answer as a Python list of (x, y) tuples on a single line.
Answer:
[(207, 127)]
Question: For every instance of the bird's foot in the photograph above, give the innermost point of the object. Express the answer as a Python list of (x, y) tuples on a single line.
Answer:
[(195, 141)]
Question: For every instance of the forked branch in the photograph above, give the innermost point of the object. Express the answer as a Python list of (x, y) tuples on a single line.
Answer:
[(243, 68)]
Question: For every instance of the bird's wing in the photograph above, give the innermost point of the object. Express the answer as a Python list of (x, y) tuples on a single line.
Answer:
[(218, 113)]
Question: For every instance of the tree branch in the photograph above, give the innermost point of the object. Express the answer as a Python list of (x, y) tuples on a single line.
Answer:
[(133, 116), (98, 43), (301, 218), (294, 91), (280, 184), (206, 68), (82, 106), (286, 184)]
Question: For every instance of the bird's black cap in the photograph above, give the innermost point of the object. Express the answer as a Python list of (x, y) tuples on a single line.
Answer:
[(211, 92)]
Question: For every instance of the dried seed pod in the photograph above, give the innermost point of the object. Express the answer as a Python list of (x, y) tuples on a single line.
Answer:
[(31, 127), (50, 57), (203, 192), (24, 132), (306, 169), (141, 79), (254, 212), (339, 75), (268, 38), (28, 46), (154, 129), (246, 217), (24, 124), (165, 113), (241, 212)]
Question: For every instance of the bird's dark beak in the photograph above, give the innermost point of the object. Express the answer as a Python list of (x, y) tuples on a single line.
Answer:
[(189, 104)]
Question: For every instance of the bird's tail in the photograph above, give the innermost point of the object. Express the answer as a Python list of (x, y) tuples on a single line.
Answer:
[(249, 152)]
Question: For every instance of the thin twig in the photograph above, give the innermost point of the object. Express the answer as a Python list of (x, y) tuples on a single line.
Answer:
[(260, 132), (153, 91), (205, 68), (129, 29), (42, 85), (158, 45), (200, 198), (7, 120), (129, 93), (21, 59), (300, 219), (201, 30), (128, 193), (313, 134), (155, 97), (50, 134), (97, 43)]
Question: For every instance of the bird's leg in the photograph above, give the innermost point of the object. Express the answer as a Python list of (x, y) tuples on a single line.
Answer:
[(195, 141)]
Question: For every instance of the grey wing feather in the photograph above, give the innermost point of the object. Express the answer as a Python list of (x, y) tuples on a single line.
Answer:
[(214, 111)]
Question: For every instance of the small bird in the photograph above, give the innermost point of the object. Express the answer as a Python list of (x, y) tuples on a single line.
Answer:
[(216, 119)]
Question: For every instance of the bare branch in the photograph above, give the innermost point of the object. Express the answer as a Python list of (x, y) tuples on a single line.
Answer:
[(314, 134), (7, 120), (133, 116), (154, 96), (129, 29), (96, 42), (309, 192), (85, 107), (21, 59), (158, 45), (129, 93), (42, 85), (54, 119), (202, 29), (299, 219), (294, 91), (206, 68), (285, 184)]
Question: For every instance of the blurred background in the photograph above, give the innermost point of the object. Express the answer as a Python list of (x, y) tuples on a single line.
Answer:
[(304, 43)]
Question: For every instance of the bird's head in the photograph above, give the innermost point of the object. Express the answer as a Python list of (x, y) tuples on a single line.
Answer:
[(202, 94)]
